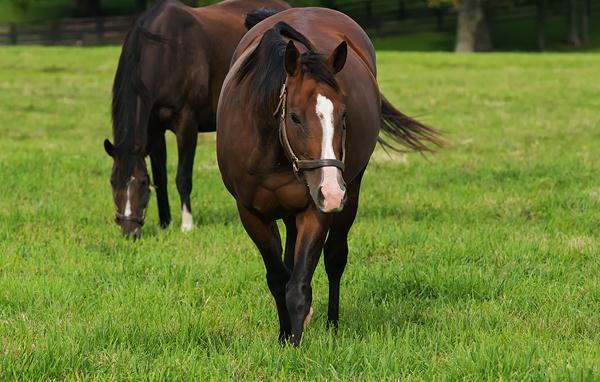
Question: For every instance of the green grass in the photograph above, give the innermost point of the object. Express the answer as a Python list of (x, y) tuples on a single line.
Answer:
[(478, 263)]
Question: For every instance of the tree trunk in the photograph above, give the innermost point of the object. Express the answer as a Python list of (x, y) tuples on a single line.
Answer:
[(473, 32), (586, 10), (541, 25), (574, 38), (88, 8)]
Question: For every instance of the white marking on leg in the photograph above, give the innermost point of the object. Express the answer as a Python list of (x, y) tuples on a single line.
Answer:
[(127, 212), (308, 317), (187, 222), (330, 187)]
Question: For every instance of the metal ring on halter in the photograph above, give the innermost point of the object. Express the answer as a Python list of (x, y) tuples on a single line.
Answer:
[(302, 164)]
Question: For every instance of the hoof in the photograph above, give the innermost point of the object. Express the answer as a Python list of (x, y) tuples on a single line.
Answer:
[(309, 317), (187, 227)]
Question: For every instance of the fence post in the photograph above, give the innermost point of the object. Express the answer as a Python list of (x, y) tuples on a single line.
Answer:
[(55, 31), (14, 36), (100, 29), (401, 9)]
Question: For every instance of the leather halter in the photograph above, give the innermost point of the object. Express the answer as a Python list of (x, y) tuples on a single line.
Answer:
[(303, 164), (119, 217)]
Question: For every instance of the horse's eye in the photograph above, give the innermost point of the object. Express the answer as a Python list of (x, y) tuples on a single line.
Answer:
[(295, 118)]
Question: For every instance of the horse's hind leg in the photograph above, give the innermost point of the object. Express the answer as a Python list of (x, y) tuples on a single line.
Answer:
[(266, 237), (187, 137), (336, 250), (158, 160)]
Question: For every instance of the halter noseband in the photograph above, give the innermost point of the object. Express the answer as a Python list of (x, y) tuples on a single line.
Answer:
[(299, 165), (119, 217)]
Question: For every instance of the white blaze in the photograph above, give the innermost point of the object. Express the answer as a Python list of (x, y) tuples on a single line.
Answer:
[(330, 187), (127, 212), (325, 114), (187, 222)]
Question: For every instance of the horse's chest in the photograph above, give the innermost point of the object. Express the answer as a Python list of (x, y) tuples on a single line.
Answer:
[(275, 199)]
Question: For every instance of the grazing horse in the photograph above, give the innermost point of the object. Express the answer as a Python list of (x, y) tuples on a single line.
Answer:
[(299, 116), (169, 77)]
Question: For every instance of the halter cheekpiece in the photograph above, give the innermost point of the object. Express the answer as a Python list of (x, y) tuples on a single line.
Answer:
[(299, 165)]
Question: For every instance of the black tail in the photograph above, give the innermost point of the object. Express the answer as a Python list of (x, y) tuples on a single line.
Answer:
[(258, 15), (406, 131), (128, 88)]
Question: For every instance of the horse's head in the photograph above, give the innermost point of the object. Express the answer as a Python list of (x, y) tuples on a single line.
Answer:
[(130, 188), (314, 125)]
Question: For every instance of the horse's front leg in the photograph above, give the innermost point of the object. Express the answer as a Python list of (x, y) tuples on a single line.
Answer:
[(187, 138), (312, 227), (158, 159), (265, 235)]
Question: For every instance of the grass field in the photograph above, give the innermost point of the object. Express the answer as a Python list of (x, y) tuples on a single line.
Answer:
[(478, 263)]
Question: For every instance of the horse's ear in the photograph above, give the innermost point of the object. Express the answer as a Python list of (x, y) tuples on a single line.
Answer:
[(337, 60), (109, 148), (292, 59)]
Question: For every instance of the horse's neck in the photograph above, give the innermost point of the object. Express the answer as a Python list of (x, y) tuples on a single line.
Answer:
[(266, 148)]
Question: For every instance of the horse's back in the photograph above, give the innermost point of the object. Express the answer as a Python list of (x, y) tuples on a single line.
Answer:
[(191, 66), (324, 27)]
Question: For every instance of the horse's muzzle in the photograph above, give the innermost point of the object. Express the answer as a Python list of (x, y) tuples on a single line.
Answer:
[(329, 201), (131, 230), (331, 194)]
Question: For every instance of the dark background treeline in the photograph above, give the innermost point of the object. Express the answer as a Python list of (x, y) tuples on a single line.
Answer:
[(461, 25)]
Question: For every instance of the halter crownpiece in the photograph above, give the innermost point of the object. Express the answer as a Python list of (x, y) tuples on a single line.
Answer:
[(302, 164)]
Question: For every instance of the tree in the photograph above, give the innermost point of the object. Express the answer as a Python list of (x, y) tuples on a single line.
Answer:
[(473, 27), (574, 38), (473, 31), (541, 24), (585, 21)]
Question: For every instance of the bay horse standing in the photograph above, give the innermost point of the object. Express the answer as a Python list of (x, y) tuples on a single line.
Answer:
[(169, 77), (299, 116)]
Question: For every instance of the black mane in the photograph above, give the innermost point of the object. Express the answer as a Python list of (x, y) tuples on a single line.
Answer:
[(128, 87), (256, 16), (265, 67)]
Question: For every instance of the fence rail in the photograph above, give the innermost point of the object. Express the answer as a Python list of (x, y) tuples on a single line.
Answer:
[(76, 31)]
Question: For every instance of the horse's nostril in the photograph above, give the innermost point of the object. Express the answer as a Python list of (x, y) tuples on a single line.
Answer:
[(321, 197)]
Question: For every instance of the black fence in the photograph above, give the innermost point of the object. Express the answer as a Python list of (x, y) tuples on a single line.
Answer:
[(76, 31), (379, 17)]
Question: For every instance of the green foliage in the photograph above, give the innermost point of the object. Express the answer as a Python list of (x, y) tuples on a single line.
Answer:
[(478, 263)]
